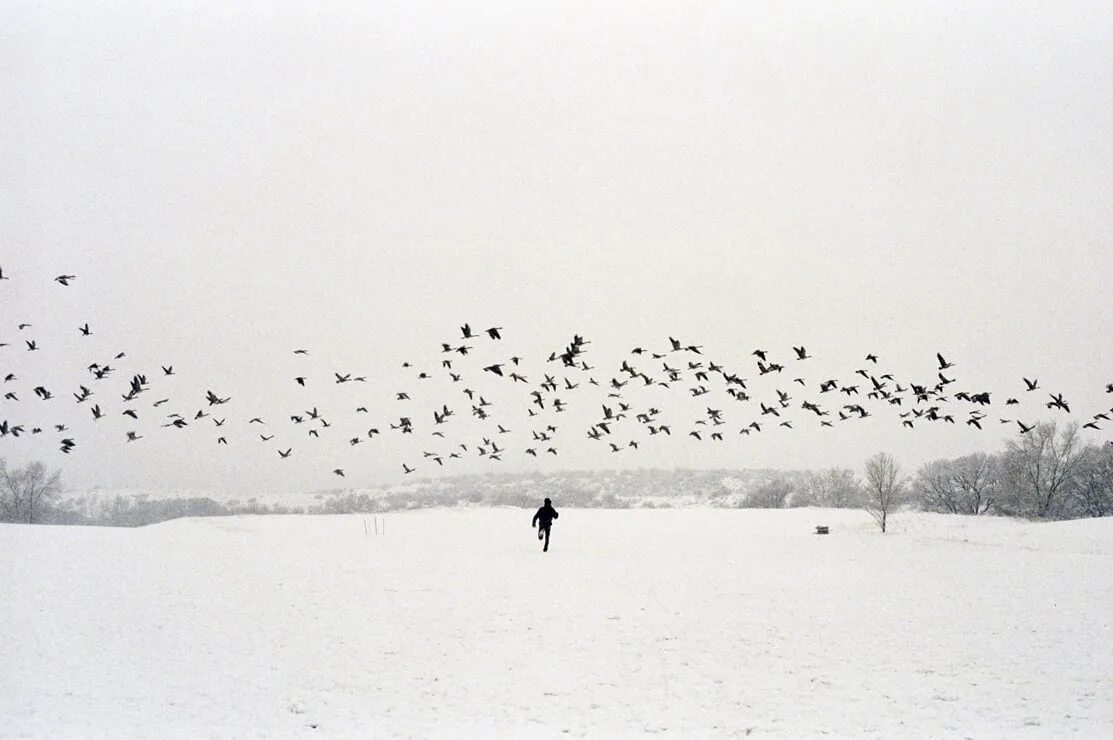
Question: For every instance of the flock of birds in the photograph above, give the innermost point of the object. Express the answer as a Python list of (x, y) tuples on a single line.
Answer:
[(771, 393)]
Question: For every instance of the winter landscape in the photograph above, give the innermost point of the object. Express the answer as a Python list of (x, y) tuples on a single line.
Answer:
[(677, 623), (603, 370)]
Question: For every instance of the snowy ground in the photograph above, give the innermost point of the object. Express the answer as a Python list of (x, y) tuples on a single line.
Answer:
[(687, 623)]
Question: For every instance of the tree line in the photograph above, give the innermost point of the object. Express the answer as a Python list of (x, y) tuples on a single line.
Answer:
[(1047, 473)]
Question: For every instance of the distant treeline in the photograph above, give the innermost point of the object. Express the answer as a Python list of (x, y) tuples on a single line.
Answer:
[(1046, 473)]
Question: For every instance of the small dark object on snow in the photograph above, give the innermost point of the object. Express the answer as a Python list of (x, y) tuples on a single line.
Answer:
[(822, 529)]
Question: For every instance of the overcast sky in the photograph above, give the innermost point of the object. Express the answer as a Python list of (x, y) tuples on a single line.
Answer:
[(230, 182)]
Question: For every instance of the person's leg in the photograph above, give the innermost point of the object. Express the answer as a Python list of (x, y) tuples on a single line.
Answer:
[(540, 532), (546, 548)]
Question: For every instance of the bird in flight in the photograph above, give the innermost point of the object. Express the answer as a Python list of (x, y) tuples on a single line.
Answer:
[(215, 400), (64, 279), (84, 330), (1058, 402)]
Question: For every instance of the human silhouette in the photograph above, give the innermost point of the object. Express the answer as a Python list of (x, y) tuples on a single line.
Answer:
[(544, 517)]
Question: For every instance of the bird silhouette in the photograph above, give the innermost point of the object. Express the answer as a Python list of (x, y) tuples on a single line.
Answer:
[(64, 279), (215, 400), (1058, 402)]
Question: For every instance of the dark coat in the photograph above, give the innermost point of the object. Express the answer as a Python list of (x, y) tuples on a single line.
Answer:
[(546, 514)]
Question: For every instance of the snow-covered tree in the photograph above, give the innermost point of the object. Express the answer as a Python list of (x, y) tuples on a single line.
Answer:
[(1093, 487), (966, 485), (1038, 470), (772, 494), (837, 488), (25, 493)]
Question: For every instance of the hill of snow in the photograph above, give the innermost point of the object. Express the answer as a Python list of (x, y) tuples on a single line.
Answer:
[(684, 622), (652, 487)]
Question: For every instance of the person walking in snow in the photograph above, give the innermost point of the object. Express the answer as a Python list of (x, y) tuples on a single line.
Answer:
[(545, 516)]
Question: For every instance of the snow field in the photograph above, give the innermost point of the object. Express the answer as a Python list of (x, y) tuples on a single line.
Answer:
[(686, 622)]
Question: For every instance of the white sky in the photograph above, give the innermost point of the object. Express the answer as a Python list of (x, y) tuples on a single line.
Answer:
[(229, 184)]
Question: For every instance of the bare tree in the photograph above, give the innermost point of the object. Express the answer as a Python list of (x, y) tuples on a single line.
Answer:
[(934, 488), (25, 492), (835, 487), (884, 488), (772, 494), (1038, 469), (1093, 487), (967, 485)]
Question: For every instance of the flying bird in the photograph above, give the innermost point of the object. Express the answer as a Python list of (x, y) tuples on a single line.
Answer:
[(64, 279), (1058, 402), (215, 400)]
